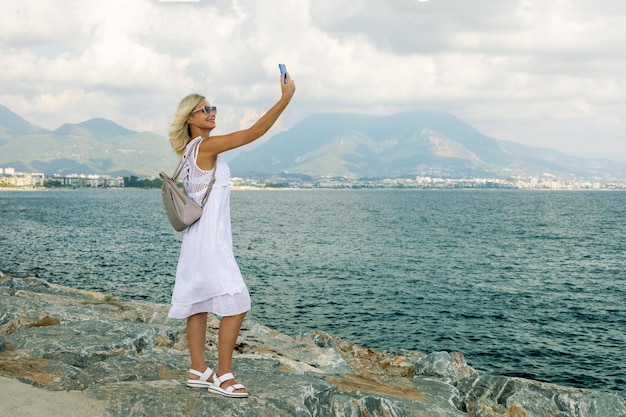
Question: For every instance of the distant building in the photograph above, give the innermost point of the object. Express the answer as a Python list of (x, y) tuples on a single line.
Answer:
[(88, 181), (10, 178), (7, 171)]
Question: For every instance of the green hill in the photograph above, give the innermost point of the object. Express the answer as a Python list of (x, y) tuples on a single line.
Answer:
[(96, 146), (407, 144)]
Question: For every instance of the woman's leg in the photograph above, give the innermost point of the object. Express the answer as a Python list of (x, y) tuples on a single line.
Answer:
[(196, 336), (228, 333)]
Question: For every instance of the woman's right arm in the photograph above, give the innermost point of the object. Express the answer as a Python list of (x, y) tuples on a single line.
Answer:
[(222, 143)]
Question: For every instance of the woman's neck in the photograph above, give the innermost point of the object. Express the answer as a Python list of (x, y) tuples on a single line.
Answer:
[(200, 132)]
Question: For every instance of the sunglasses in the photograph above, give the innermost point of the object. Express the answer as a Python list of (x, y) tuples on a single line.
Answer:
[(206, 110)]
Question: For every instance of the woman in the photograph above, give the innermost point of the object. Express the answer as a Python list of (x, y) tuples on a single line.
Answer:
[(208, 279)]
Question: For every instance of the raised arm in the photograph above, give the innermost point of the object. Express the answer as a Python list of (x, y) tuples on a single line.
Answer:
[(221, 143)]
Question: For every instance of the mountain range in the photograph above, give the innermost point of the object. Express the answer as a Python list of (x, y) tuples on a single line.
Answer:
[(96, 146), (322, 145), (409, 144)]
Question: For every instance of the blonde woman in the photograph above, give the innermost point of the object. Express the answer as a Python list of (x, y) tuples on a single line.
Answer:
[(208, 279)]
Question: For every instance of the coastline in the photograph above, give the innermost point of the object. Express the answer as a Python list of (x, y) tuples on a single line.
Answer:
[(338, 188), (109, 254), (126, 358)]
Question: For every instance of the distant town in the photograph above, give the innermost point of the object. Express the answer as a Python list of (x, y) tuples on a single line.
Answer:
[(11, 179)]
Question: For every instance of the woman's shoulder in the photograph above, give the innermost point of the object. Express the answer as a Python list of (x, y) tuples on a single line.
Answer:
[(193, 142)]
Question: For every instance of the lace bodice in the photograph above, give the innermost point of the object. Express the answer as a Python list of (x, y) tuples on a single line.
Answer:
[(195, 179)]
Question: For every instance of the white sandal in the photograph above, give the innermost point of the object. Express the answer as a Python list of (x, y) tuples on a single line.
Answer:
[(203, 382), (228, 391)]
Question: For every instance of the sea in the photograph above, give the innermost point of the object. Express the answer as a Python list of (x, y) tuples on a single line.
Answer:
[(523, 283)]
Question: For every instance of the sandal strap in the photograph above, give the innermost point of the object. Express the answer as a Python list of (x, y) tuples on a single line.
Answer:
[(204, 376), (219, 380), (233, 387)]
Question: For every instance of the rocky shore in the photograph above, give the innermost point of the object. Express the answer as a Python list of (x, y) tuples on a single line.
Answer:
[(65, 352)]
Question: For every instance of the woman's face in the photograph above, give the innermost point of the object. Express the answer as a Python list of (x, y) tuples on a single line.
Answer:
[(202, 116)]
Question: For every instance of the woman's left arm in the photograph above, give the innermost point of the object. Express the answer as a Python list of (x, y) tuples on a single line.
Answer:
[(222, 143)]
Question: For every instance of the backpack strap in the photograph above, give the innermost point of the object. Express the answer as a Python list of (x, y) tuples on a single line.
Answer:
[(195, 148)]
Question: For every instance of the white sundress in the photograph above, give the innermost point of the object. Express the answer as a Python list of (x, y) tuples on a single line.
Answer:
[(208, 278)]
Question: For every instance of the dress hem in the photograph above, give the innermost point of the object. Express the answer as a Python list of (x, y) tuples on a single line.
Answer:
[(222, 305)]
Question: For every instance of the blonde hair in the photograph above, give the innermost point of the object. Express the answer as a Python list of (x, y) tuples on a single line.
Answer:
[(179, 129)]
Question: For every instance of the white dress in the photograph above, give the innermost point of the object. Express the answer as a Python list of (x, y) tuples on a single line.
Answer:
[(208, 278)]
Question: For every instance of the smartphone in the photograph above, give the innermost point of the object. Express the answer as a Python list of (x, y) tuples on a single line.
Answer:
[(283, 71)]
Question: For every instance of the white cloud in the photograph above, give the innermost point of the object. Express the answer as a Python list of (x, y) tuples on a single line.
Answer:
[(541, 73)]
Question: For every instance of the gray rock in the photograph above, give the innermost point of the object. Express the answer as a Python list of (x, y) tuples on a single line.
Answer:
[(129, 356), (449, 367), (488, 395)]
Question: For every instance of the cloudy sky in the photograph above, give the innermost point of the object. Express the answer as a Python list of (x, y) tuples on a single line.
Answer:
[(543, 73)]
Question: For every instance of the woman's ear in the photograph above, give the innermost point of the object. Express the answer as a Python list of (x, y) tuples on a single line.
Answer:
[(189, 120)]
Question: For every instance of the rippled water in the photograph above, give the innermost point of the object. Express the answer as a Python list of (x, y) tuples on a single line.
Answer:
[(523, 283)]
